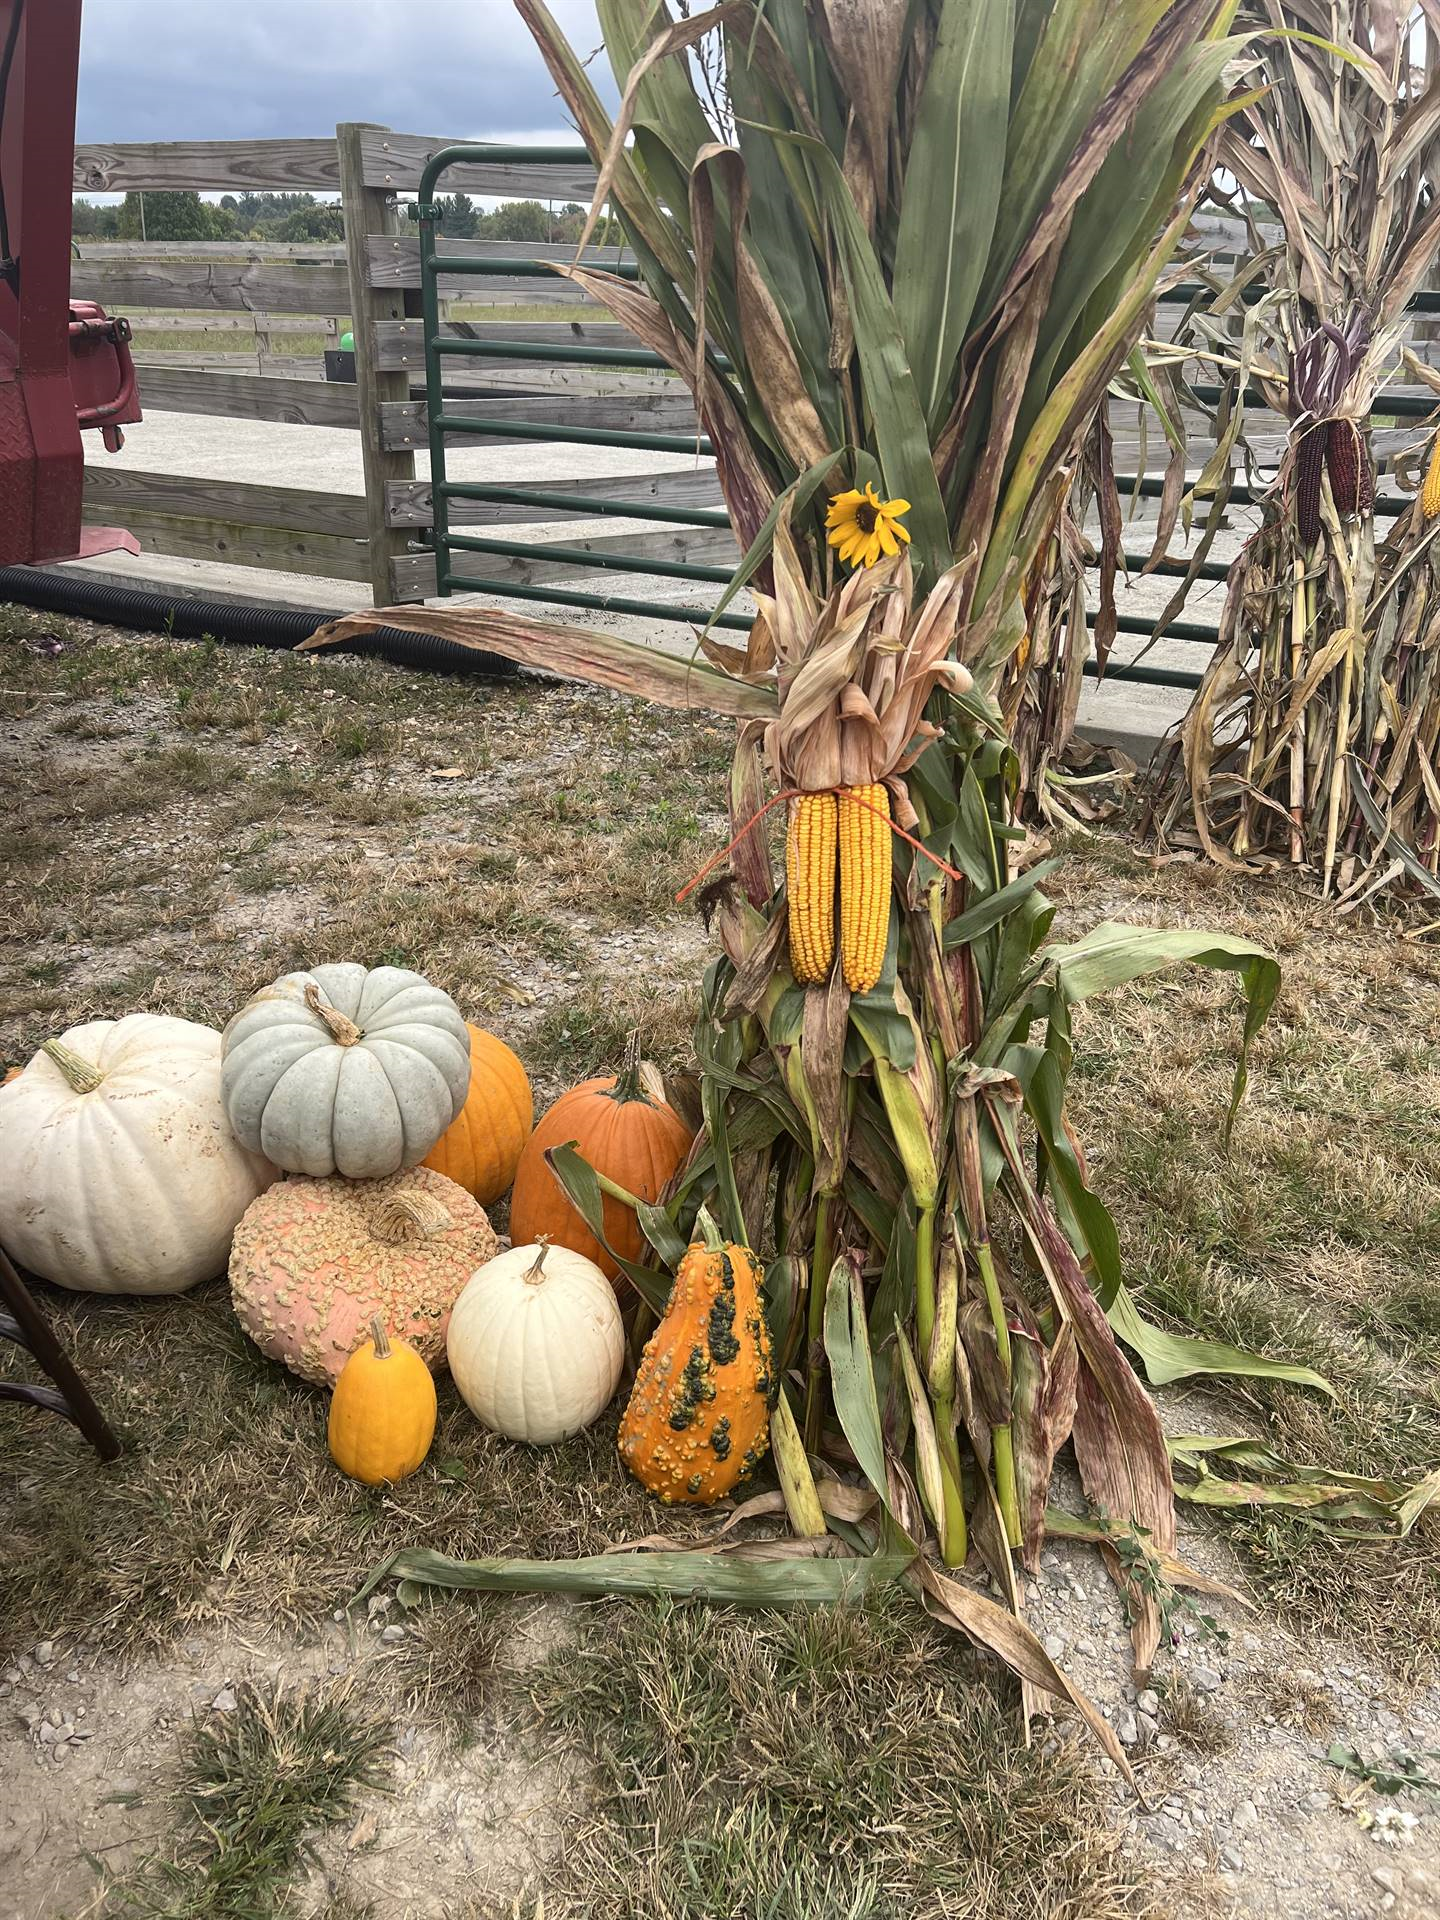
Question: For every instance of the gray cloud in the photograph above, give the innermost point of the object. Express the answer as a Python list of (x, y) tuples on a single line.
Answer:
[(265, 69)]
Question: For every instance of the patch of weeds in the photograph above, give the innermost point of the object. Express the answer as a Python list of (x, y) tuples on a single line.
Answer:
[(446, 1665), (838, 1762), (80, 725), (231, 707), (374, 806), (254, 1784), (586, 1034), (1408, 1312), (1191, 1720), (261, 876), (1293, 1702)]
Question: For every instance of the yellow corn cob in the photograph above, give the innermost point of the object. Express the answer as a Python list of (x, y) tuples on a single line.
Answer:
[(810, 883), (1430, 493), (864, 884)]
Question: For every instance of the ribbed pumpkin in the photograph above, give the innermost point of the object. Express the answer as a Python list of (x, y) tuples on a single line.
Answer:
[(698, 1422), (314, 1261), (382, 1414), (625, 1135), (482, 1149), (118, 1170), (345, 1069)]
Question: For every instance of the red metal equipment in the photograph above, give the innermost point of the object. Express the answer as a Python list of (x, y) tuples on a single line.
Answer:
[(63, 365)]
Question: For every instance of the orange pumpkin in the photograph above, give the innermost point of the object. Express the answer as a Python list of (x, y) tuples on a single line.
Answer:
[(698, 1422), (481, 1149), (625, 1135)]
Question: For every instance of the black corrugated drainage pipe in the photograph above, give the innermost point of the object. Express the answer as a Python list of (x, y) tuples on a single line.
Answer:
[(232, 621)]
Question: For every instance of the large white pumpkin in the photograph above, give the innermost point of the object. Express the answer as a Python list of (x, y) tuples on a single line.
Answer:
[(118, 1170), (345, 1069), (536, 1344)]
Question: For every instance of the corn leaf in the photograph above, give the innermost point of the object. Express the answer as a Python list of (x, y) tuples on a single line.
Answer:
[(852, 1374), (575, 653), (1168, 1357), (1112, 955), (727, 1578), (577, 1177), (901, 435), (953, 178)]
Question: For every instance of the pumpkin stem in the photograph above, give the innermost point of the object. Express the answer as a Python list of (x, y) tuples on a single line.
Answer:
[(81, 1075), (409, 1216), (627, 1085), (714, 1239), (380, 1338), (342, 1030), (534, 1275)]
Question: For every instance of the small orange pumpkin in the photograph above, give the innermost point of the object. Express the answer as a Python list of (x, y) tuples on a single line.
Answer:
[(625, 1135), (482, 1147), (382, 1414), (698, 1422)]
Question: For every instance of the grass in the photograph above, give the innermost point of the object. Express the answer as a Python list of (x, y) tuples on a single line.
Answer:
[(834, 1763), (1190, 1718), (253, 1786), (1317, 1238)]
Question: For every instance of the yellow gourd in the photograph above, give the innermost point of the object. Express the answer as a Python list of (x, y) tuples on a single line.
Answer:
[(382, 1415)]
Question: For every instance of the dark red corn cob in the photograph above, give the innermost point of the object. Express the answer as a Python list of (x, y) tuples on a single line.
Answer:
[(1352, 479), (1309, 471)]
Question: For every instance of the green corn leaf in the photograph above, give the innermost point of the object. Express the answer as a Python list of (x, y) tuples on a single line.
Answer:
[(577, 1177), (1111, 955), (729, 1579), (968, 926), (901, 435), (953, 178), (1039, 1074), (852, 1373), (1167, 1357)]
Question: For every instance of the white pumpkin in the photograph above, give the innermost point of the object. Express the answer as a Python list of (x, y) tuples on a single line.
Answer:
[(345, 1069), (536, 1344), (120, 1172)]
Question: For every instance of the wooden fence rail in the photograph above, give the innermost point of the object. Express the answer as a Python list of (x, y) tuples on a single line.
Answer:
[(244, 301)]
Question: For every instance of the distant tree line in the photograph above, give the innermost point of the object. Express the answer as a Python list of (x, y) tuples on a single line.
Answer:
[(300, 216)]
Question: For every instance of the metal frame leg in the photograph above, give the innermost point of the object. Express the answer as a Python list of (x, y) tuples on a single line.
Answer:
[(22, 1321)]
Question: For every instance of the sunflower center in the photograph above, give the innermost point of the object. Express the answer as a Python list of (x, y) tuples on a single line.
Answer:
[(865, 517)]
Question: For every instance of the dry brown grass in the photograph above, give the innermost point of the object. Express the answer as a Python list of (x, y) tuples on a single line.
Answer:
[(835, 1764)]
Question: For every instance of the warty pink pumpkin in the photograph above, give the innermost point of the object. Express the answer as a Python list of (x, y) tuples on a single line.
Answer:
[(314, 1261)]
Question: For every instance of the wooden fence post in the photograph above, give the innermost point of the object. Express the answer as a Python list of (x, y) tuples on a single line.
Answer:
[(373, 210)]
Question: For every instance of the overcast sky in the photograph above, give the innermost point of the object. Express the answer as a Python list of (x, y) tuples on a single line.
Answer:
[(265, 69)]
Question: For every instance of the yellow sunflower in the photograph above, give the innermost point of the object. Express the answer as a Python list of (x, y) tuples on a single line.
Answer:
[(863, 526)]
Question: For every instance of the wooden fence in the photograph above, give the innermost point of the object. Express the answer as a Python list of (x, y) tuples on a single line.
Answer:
[(251, 303)]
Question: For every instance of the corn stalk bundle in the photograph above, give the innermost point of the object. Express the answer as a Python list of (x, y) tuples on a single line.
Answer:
[(924, 237), (1312, 739)]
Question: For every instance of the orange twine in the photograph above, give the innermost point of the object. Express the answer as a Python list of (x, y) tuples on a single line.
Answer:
[(795, 793)]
